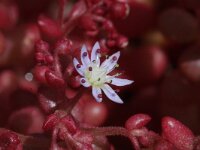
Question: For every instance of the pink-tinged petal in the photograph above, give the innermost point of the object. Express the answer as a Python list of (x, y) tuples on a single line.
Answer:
[(97, 93), (110, 63), (84, 82), (95, 53), (79, 68), (120, 82), (84, 56), (110, 93)]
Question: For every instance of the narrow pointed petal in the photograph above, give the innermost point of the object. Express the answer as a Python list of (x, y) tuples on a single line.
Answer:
[(110, 63), (120, 82), (84, 56), (79, 70), (96, 92), (84, 82), (95, 54), (110, 93)]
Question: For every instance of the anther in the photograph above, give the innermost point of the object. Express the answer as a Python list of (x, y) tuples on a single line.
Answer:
[(90, 68), (99, 95), (84, 54), (117, 65), (78, 66), (99, 79), (98, 51), (114, 58), (82, 81)]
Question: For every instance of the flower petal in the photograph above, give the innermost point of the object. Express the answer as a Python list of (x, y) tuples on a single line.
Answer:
[(110, 93), (120, 82), (84, 82), (79, 70), (96, 92), (84, 56), (110, 63), (95, 55)]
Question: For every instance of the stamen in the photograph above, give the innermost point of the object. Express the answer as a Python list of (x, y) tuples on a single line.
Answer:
[(90, 68), (110, 81), (94, 61), (82, 80), (85, 54), (117, 74), (99, 95), (117, 65), (98, 51), (114, 58), (78, 65)]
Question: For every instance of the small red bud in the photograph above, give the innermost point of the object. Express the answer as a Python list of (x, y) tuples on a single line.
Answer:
[(49, 59), (64, 46), (69, 70), (120, 10), (50, 122), (40, 57), (39, 73), (111, 43), (87, 23), (108, 25), (70, 124), (10, 141), (49, 27), (137, 121), (75, 81), (122, 42), (41, 46), (8, 16), (53, 79)]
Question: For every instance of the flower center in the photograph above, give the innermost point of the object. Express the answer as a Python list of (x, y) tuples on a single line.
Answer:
[(96, 75)]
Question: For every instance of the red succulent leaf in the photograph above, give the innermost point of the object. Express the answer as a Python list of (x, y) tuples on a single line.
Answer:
[(177, 133), (137, 121)]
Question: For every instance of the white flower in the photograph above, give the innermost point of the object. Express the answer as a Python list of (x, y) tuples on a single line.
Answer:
[(97, 75)]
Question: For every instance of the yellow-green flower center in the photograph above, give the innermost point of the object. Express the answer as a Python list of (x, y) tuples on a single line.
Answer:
[(96, 75)]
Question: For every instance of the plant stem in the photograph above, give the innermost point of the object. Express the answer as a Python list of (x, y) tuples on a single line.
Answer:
[(108, 131)]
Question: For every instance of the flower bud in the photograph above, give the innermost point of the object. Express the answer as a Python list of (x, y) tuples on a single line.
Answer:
[(27, 120), (8, 16), (41, 46), (49, 27), (10, 141), (53, 79), (74, 81), (122, 42), (120, 10), (39, 74), (137, 121), (50, 122), (87, 23), (70, 124), (64, 46)]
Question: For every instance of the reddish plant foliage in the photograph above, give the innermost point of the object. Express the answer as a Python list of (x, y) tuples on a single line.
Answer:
[(43, 105)]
